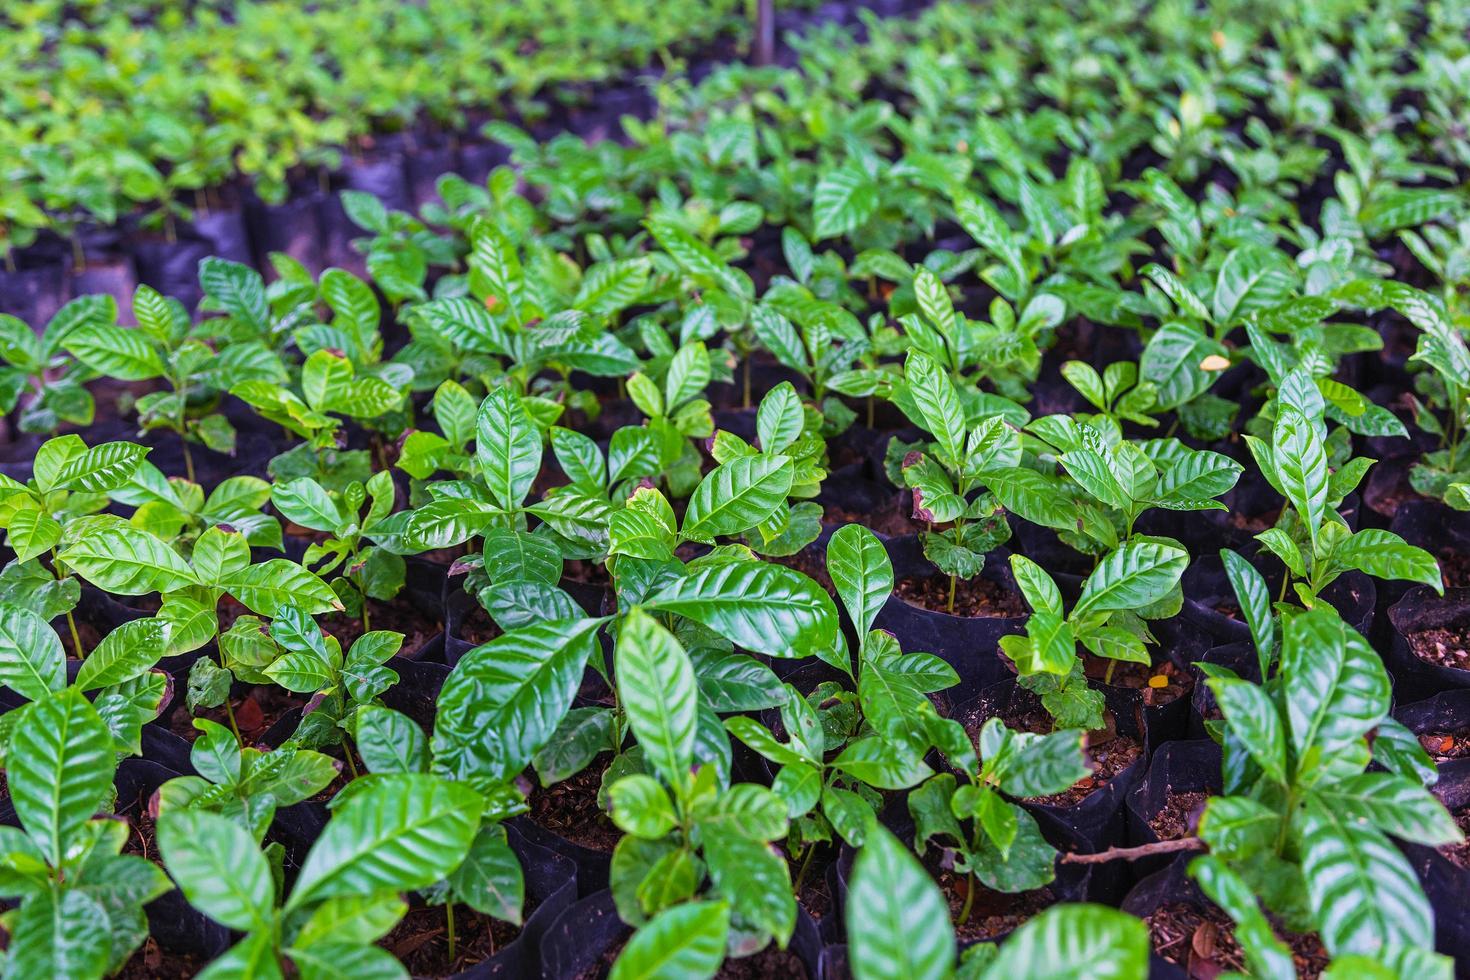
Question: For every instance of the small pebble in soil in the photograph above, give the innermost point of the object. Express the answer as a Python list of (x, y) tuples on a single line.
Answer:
[(1442, 647)]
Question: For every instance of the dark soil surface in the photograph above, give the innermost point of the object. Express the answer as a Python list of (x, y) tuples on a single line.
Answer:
[(973, 598), (1178, 815), (1160, 685), (604, 963), (477, 627), (810, 564), (1444, 746), (992, 914), (153, 962), (1108, 753), (400, 616), (1203, 942), (421, 939), (1253, 523), (141, 823), (1454, 568), (771, 963), (586, 572), (888, 521), (255, 713), (1442, 647), (569, 808), (1459, 854)]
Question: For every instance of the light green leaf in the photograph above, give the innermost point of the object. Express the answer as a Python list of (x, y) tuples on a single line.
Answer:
[(897, 921)]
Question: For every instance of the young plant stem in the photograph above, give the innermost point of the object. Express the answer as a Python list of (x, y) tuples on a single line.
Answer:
[(449, 928), (806, 863), (188, 457), (747, 386), (230, 714), (71, 621), (949, 606), (969, 899), (76, 638), (78, 254), (870, 411), (182, 425), (347, 754)]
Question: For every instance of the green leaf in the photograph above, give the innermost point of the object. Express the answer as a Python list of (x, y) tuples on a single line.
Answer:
[(1170, 363), (219, 553), (780, 418), (1095, 476), (59, 766), (1384, 554), (843, 200), (1268, 956), (754, 879), (657, 690), (1301, 466), (489, 879), (762, 607), (580, 737), (1251, 278), (861, 573), (307, 503), (237, 289), (934, 302), (116, 352), (128, 561), (939, 405), (351, 919), (405, 832), (389, 741), (897, 920), (341, 960), (508, 445), (685, 942), (984, 223), (354, 307), (1254, 597), (503, 700), (1036, 585), (1251, 715), (252, 958), (738, 495), (125, 653), (1335, 686), (218, 866), (277, 582), (100, 468), (1075, 940), (1394, 805), (32, 661), (31, 533), (1238, 827), (698, 259), (1173, 287), (641, 806), (60, 935), (881, 764), (1039, 765), (1037, 497), (1049, 647), (1133, 576), (1363, 892)]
